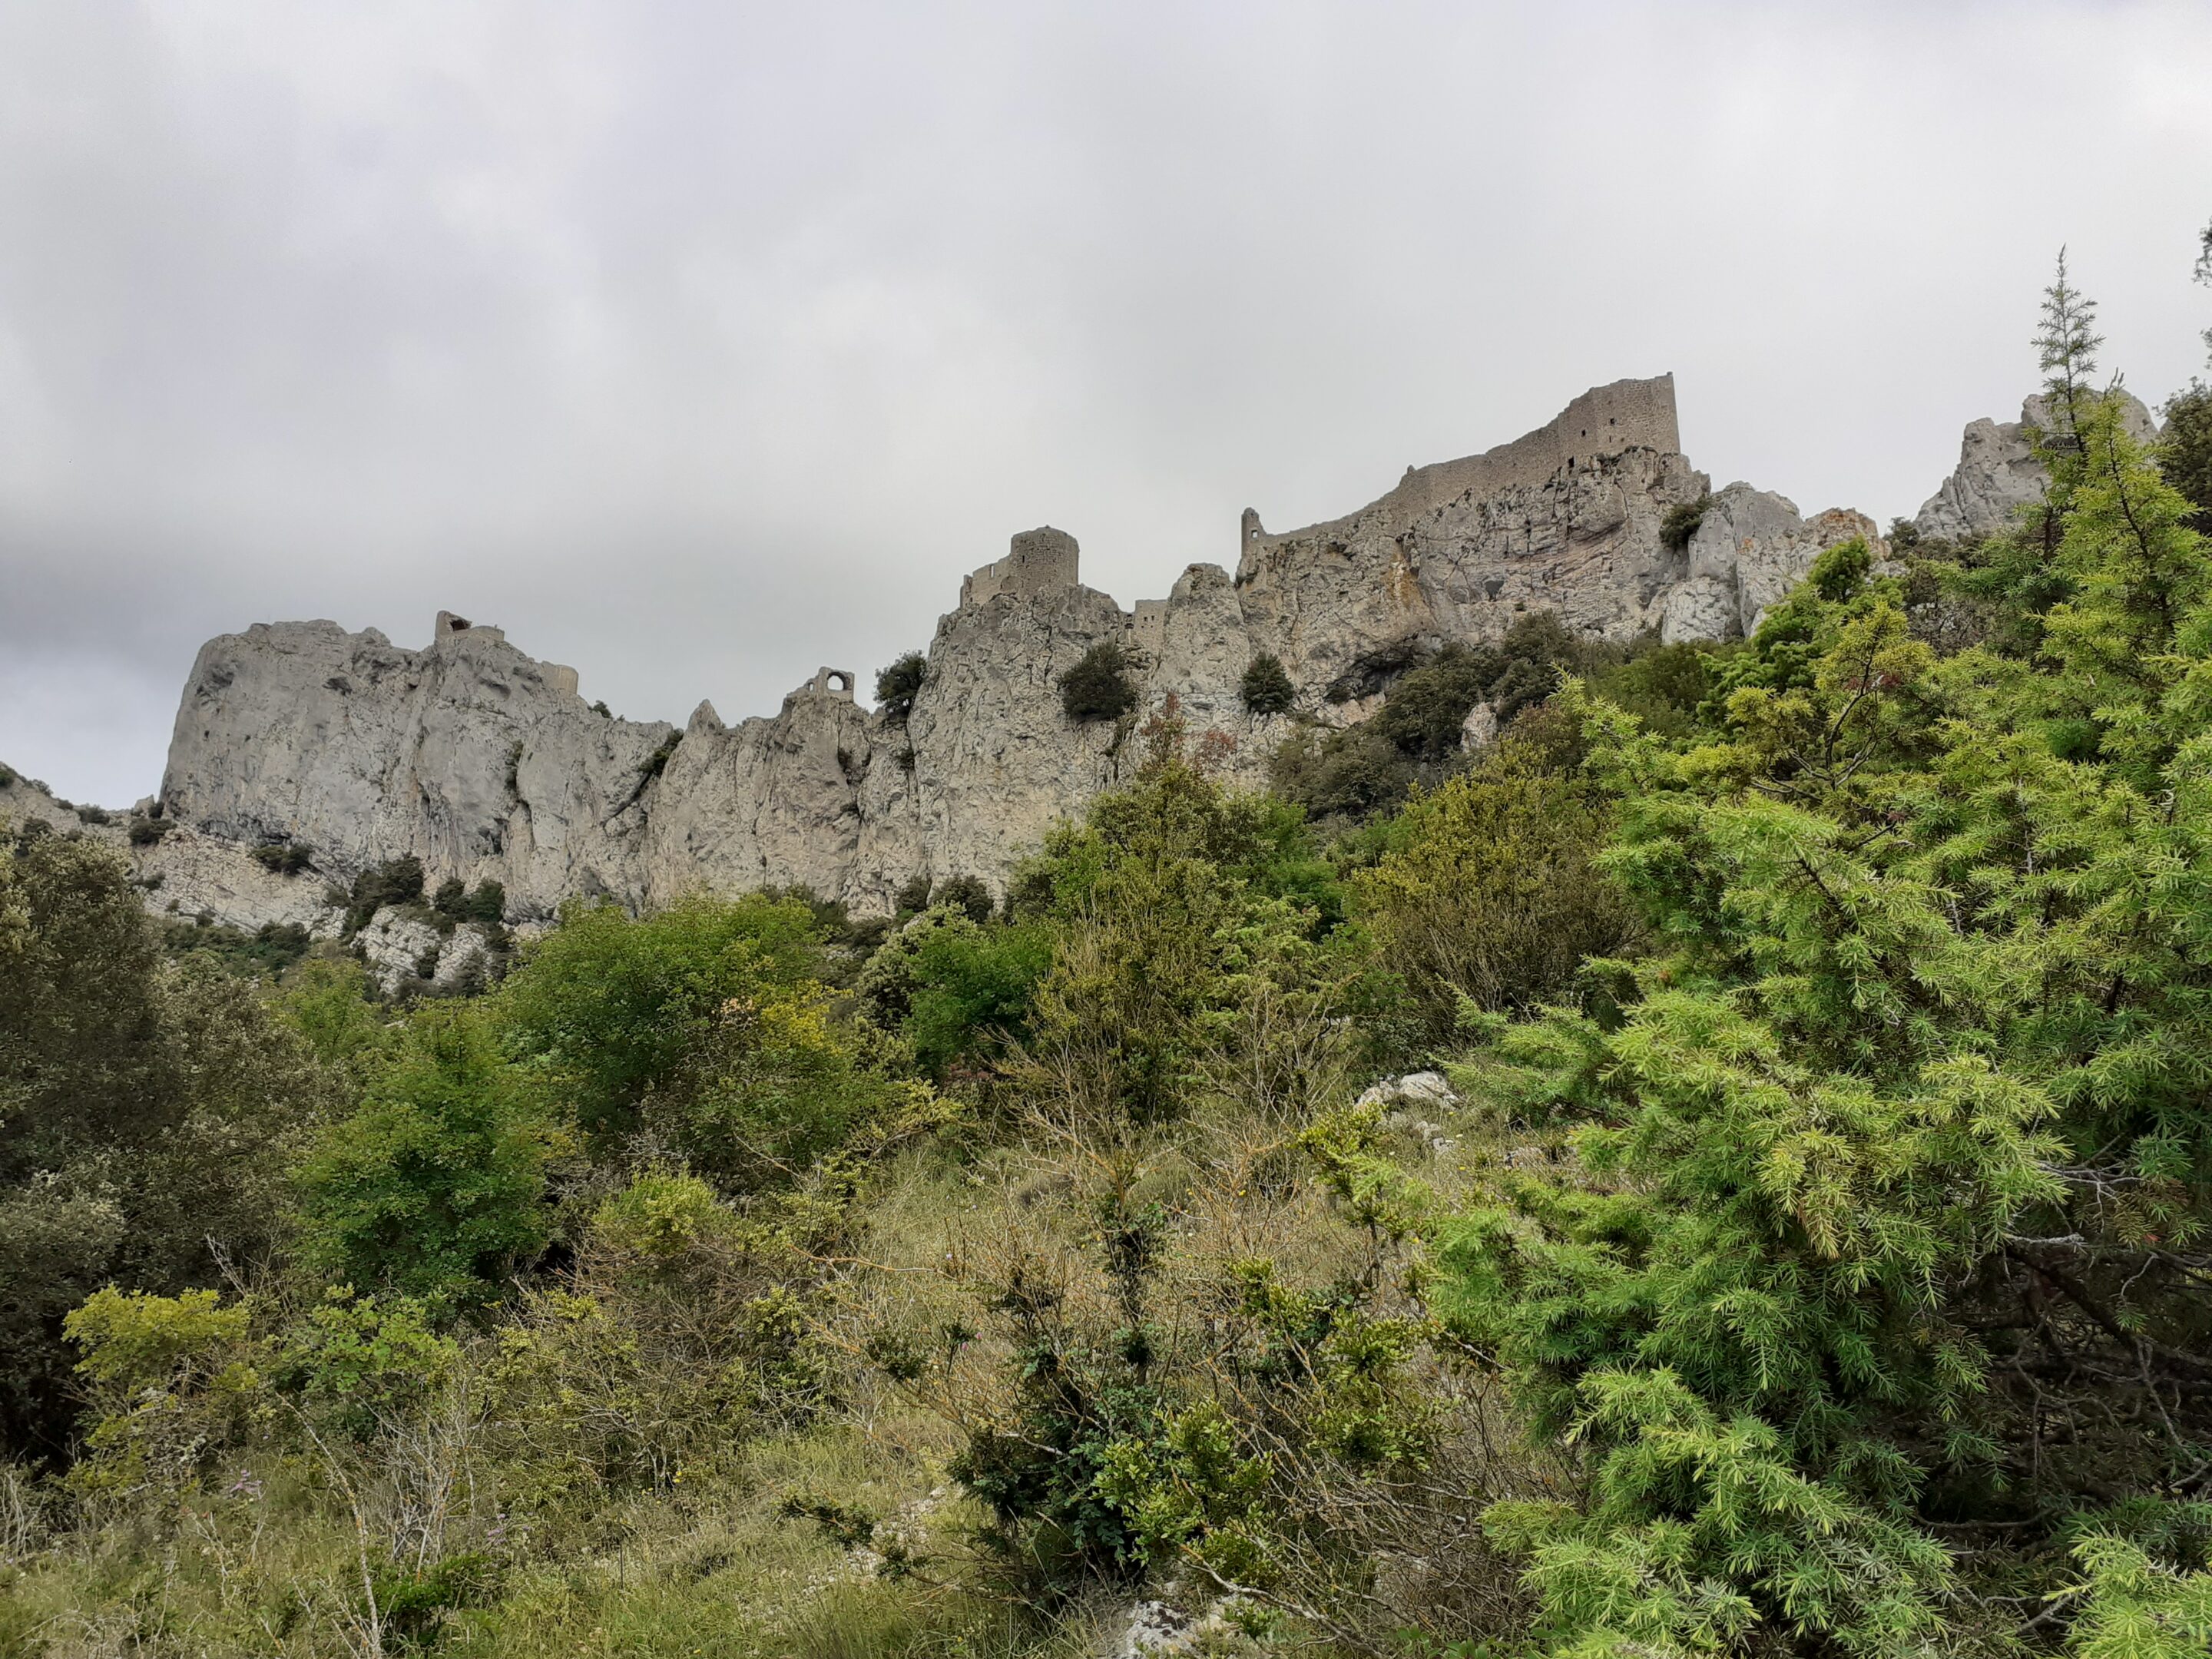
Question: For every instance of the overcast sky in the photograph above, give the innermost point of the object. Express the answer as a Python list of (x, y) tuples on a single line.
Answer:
[(700, 345)]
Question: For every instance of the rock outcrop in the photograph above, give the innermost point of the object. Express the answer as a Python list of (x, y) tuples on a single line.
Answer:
[(1749, 550), (1998, 473), (486, 764)]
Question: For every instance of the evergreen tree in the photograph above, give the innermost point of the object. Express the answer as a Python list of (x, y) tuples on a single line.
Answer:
[(2066, 347), (1890, 1189)]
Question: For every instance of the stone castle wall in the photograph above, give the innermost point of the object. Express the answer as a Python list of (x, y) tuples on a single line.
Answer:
[(1040, 562)]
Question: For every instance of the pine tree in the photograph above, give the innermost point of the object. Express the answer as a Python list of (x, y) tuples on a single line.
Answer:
[(2066, 348)]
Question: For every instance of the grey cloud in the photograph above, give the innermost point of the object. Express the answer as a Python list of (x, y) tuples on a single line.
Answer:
[(700, 344)]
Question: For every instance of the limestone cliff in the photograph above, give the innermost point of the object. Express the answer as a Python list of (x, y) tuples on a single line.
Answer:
[(1998, 474), (487, 764)]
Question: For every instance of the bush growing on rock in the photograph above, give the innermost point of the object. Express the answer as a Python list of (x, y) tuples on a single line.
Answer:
[(898, 685), (395, 882), (1265, 686), (1681, 523), (288, 858), (1101, 686)]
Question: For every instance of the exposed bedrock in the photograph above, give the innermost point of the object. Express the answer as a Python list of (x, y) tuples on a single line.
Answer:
[(487, 764)]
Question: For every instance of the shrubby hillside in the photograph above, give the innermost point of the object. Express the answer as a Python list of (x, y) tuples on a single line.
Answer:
[(1723, 1167)]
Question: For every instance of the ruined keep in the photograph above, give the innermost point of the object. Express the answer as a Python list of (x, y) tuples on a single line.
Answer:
[(487, 764)]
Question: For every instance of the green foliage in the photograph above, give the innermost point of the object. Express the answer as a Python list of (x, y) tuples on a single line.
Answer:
[(288, 858), (264, 953), (1846, 1176), (967, 894), (1488, 889), (365, 1362), (166, 1377), (2185, 454), (330, 1004), (1101, 685), (1167, 906), (2136, 1607), (955, 987), (394, 882), (147, 1113), (609, 1008), (2066, 347), (898, 685), (434, 1188), (1681, 523), (486, 904), (657, 761), (149, 832), (1661, 685), (1417, 738), (1265, 687)]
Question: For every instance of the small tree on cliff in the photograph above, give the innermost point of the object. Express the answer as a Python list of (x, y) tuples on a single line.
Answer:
[(1100, 686), (898, 685), (1266, 688)]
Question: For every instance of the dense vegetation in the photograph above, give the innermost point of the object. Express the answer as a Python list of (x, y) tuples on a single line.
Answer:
[(1800, 1247)]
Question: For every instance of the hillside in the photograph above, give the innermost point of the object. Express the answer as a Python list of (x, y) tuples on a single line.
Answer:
[(1640, 1093)]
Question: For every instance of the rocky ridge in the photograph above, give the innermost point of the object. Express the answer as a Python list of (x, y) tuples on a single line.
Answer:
[(485, 763)]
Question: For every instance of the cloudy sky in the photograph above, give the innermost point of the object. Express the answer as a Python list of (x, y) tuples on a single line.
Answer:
[(699, 345)]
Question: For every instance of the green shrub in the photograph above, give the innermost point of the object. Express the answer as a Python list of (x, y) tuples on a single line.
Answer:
[(1101, 685), (265, 953), (1489, 890), (2184, 451), (486, 904), (612, 1008), (898, 685), (395, 882), (434, 1188), (148, 832), (1681, 523), (971, 992), (1265, 687), (287, 858), (147, 1114), (965, 893)]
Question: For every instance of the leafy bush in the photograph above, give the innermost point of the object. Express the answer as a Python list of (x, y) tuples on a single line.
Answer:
[(2184, 451), (395, 882), (147, 1114), (610, 1008), (1681, 523), (291, 858), (1265, 686), (898, 685), (148, 832), (968, 894), (265, 953), (485, 904), (1101, 685), (955, 987), (434, 1188), (163, 1374), (1489, 890), (1417, 736)]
